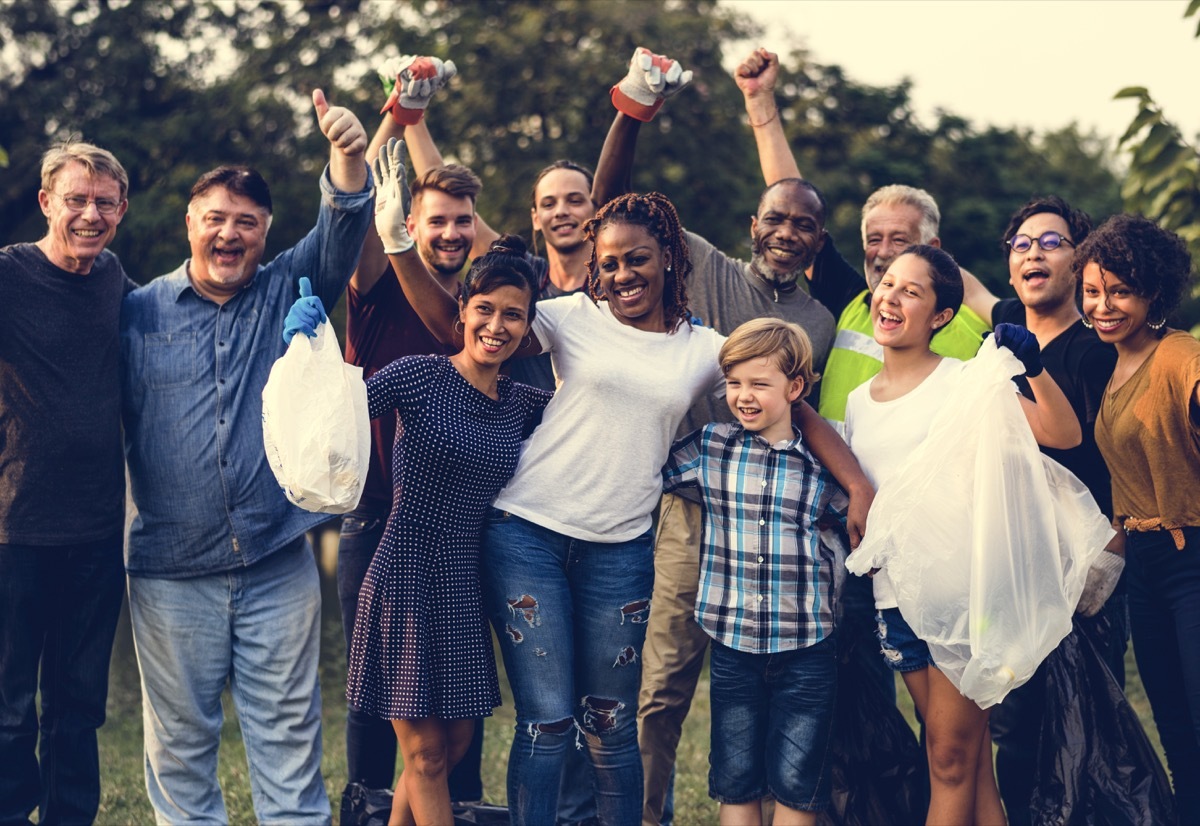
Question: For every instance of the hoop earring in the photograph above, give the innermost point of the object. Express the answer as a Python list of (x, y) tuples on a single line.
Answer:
[(1087, 322), (525, 342), (1157, 325), (458, 327)]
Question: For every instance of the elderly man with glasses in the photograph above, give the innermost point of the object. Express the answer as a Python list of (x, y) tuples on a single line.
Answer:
[(62, 488)]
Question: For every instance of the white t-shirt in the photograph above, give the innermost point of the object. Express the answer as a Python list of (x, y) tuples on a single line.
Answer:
[(592, 469), (884, 434)]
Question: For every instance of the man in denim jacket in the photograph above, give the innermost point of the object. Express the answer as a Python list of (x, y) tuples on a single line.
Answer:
[(222, 582)]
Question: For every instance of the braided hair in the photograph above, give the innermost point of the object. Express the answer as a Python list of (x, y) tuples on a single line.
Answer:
[(656, 214)]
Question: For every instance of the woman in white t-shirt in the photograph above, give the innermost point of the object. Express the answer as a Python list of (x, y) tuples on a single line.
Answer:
[(567, 558), (886, 419)]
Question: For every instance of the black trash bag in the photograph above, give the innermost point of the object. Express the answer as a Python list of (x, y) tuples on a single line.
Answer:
[(372, 807), (879, 772), (1095, 763), (365, 807)]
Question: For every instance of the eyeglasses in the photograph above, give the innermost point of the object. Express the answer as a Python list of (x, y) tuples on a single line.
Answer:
[(78, 203), (1047, 241)]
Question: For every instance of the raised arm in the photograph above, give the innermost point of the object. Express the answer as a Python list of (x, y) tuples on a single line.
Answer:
[(651, 79), (756, 77), (423, 153), (347, 144), (372, 261), (437, 309), (978, 297)]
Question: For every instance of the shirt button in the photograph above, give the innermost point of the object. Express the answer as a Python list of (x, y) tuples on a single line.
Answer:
[(220, 381), (221, 422), (760, 597), (221, 343), (762, 521), (760, 559), (764, 483)]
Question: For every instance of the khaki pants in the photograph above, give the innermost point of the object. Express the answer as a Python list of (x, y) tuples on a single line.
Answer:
[(674, 650)]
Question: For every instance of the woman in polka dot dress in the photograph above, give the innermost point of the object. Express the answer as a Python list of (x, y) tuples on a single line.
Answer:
[(421, 654)]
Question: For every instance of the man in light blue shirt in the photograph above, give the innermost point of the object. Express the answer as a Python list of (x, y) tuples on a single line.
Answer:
[(222, 582)]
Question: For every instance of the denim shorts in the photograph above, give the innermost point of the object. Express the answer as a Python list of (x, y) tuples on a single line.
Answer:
[(902, 649), (772, 725)]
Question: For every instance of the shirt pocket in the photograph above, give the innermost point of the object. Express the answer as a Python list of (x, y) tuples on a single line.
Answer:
[(171, 360)]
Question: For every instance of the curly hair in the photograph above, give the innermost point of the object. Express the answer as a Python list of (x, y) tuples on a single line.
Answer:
[(1152, 261), (655, 214)]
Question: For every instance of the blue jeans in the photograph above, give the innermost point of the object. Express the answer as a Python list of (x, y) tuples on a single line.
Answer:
[(259, 628), (772, 725), (571, 618), (1164, 615), (371, 741), (58, 612)]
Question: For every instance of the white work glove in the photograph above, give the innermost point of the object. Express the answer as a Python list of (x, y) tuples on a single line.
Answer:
[(651, 79), (392, 198), (1101, 580), (410, 81)]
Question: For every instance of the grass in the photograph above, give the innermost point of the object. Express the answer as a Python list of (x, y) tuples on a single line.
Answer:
[(124, 801)]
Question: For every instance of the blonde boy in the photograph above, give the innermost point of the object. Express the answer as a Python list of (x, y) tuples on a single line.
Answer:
[(766, 586)]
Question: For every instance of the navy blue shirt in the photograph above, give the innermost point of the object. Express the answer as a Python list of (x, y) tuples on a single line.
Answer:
[(192, 374)]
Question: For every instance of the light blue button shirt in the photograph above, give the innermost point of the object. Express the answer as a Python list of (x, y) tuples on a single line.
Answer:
[(192, 374)]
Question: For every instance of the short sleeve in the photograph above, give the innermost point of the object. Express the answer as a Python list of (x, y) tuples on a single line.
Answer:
[(400, 385), (551, 315), (683, 464), (533, 402)]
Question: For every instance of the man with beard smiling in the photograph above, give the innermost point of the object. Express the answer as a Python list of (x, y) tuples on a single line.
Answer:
[(61, 488), (787, 232), (222, 581)]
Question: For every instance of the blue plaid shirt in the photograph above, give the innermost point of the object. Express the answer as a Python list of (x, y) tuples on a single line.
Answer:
[(193, 373), (766, 585)]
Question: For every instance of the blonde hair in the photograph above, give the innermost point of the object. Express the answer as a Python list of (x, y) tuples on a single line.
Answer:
[(783, 341), (95, 160)]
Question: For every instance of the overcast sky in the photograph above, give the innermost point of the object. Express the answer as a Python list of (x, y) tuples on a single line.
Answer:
[(1032, 63)]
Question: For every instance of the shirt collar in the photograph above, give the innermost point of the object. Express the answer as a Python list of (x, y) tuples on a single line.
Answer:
[(796, 443)]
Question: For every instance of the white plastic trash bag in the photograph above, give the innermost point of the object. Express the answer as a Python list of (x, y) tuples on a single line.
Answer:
[(316, 427), (986, 541)]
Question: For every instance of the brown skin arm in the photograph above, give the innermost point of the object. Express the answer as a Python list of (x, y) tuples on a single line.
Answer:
[(756, 77), (614, 169), (833, 452)]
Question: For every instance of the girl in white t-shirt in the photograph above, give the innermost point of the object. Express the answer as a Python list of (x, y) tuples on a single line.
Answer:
[(567, 562), (886, 419)]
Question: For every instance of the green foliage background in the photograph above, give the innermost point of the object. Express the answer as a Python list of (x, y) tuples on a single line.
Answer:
[(176, 87)]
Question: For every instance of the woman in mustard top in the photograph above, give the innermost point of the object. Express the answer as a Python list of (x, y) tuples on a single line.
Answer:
[(1134, 274)]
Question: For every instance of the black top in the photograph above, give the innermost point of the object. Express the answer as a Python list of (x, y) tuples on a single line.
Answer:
[(1081, 364), (835, 283)]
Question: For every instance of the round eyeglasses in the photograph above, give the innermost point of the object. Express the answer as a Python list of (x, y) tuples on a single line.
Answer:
[(78, 203), (1047, 241)]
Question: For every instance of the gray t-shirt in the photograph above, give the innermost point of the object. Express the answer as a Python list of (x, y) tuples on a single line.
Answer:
[(724, 294), (62, 476)]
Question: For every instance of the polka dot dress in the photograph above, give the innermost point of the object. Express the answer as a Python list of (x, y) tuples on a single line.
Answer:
[(421, 644)]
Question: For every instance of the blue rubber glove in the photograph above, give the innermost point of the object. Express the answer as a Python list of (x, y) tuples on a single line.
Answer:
[(1024, 346), (305, 314)]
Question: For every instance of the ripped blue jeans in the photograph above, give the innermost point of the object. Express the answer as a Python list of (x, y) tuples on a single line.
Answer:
[(571, 618)]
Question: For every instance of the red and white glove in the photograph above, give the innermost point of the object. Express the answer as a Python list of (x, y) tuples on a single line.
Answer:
[(410, 82), (651, 79)]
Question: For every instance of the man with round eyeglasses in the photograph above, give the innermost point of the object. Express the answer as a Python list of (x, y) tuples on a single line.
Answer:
[(62, 488), (1039, 243)]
